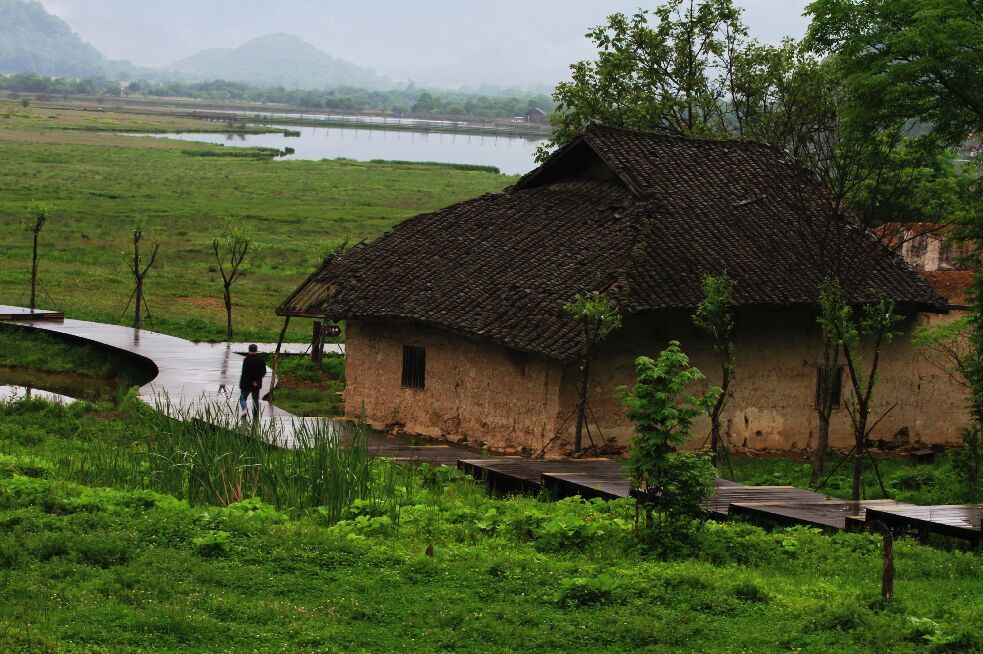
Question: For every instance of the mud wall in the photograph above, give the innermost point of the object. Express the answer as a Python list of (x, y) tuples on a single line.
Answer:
[(474, 391), (772, 405)]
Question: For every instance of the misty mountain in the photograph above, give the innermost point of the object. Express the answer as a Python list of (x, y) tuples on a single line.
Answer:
[(279, 60), (34, 41)]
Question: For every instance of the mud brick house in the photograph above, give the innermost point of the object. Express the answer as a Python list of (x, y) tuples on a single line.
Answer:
[(455, 325)]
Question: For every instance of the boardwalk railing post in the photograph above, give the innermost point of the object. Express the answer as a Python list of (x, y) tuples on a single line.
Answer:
[(887, 578)]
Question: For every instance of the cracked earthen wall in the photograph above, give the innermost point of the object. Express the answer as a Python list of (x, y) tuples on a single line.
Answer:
[(506, 400), (772, 408), (475, 391)]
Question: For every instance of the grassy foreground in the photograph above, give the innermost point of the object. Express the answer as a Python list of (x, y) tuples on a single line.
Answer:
[(99, 182), (93, 562), (123, 531)]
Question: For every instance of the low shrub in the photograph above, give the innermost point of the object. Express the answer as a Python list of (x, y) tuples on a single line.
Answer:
[(214, 543), (754, 593), (587, 591)]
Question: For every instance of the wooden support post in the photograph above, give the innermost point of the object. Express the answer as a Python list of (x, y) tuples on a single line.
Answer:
[(276, 359), (887, 576)]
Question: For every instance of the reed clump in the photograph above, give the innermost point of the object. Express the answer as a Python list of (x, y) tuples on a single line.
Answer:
[(207, 455)]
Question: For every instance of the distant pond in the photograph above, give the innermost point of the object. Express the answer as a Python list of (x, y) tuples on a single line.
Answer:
[(513, 155)]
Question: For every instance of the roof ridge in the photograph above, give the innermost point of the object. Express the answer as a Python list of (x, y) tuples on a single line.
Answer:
[(594, 127)]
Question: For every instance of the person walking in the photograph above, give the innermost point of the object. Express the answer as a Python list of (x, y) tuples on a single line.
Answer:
[(251, 380)]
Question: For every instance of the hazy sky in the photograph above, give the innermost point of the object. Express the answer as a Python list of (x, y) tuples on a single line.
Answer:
[(445, 42)]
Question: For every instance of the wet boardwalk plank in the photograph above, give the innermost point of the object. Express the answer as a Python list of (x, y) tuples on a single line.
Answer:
[(562, 477), (955, 520), (828, 513), (719, 505), (9, 313), (606, 485)]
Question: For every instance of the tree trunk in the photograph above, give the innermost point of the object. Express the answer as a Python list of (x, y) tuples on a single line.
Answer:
[(581, 407), (887, 574), (138, 296), (317, 342), (276, 358), (858, 465), (859, 449), (227, 296), (34, 274), (714, 441), (822, 447), (718, 408), (824, 408)]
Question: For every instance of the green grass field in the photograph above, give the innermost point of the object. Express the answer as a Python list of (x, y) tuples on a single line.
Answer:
[(96, 558), (100, 182)]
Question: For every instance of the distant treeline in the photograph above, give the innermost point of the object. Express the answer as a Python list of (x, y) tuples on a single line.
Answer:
[(408, 100), (34, 83)]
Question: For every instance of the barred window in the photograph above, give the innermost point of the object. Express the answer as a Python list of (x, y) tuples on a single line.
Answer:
[(414, 366), (836, 389)]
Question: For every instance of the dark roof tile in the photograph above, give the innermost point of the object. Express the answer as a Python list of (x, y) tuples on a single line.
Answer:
[(501, 266)]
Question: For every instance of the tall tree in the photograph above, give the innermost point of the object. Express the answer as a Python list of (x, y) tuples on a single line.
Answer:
[(597, 316), (139, 270), (715, 316), (38, 214), (867, 174), (235, 251), (921, 59), (687, 67)]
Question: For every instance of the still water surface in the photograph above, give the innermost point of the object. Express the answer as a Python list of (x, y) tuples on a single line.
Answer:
[(59, 387), (511, 154)]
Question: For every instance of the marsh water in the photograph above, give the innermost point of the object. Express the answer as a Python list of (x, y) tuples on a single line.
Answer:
[(512, 155), (17, 383)]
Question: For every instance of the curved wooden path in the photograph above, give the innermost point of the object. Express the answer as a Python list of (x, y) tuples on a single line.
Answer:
[(191, 375), (188, 373)]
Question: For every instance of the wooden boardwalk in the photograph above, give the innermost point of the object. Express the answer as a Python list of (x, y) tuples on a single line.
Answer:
[(955, 520), (191, 375), (8, 313)]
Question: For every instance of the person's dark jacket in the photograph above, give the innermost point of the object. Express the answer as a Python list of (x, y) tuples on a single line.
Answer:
[(253, 371)]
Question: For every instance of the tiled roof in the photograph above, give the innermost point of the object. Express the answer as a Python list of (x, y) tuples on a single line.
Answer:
[(501, 266)]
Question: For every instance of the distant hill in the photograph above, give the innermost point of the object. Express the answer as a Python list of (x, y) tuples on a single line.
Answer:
[(34, 41), (279, 60)]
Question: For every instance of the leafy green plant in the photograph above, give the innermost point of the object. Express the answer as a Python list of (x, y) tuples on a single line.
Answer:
[(967, 462), (668, 483), (214, 543), (875, 324), (751, 592), (236, 252), (38, 214), (586, 591)]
